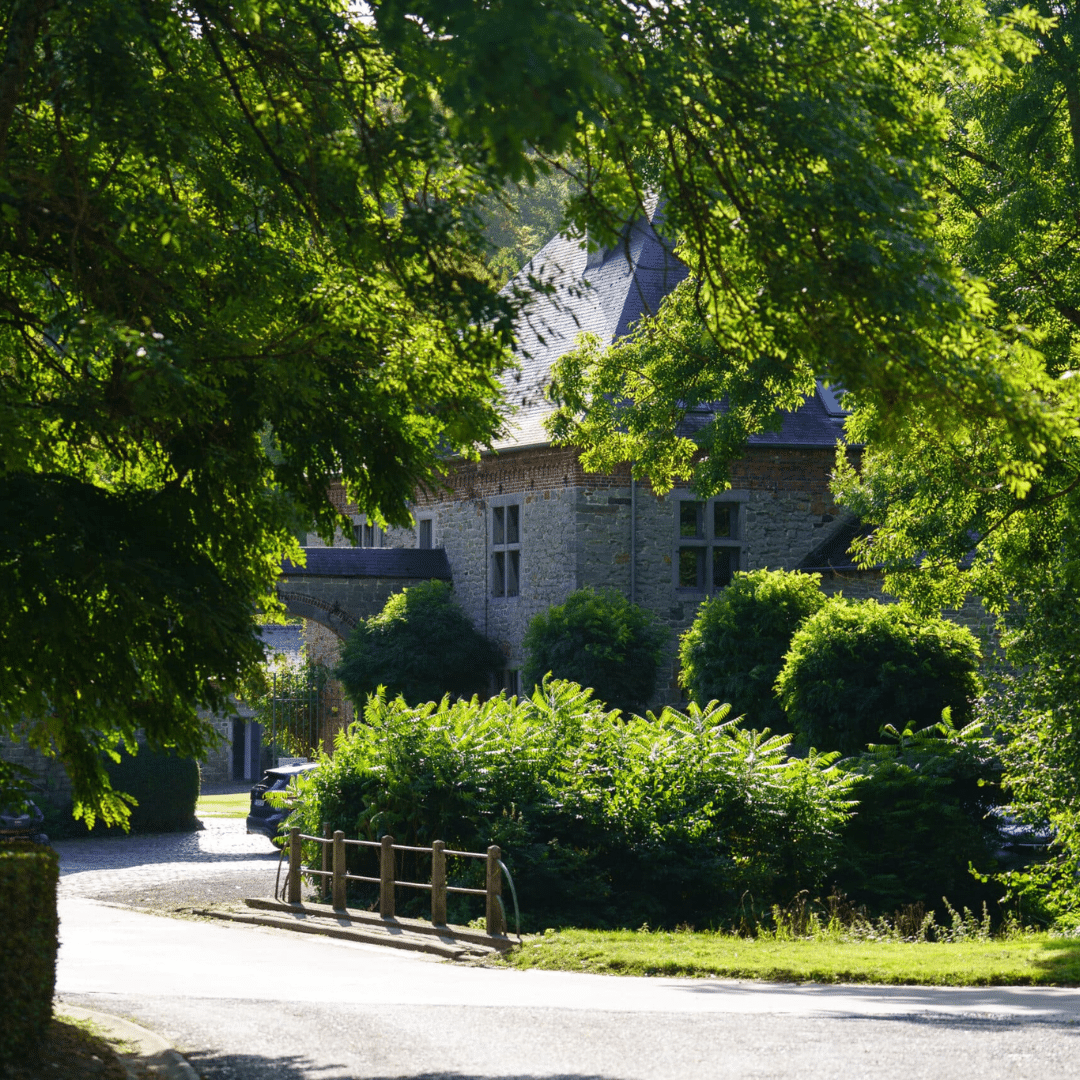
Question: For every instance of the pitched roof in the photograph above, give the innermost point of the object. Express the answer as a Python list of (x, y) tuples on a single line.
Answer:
[(604, 294), (421, 564), (814, 423)]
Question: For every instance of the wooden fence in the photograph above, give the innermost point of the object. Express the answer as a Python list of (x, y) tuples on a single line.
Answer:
[(334, 873)]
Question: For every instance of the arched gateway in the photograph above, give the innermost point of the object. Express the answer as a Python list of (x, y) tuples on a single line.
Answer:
[(339, 586)]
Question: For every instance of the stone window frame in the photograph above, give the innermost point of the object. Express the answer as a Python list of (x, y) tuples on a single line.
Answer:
[(504, 559), (707, 542), (425, 530)]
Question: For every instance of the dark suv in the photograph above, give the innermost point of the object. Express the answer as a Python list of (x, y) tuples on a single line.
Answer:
[(264, 818)]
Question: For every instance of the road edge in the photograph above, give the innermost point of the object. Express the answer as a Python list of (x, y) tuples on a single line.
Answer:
[(151, 1049)]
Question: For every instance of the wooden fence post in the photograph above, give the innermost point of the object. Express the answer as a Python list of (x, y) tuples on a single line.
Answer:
[(386, 878), (294, 866), (339, 870), (324, 885), (438, 883), (494, 891)]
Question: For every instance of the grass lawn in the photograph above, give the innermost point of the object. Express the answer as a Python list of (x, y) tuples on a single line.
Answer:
[(238, 805), (1027, 960)]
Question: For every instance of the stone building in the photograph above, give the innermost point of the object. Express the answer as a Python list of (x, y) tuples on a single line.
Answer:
[(526, 525)]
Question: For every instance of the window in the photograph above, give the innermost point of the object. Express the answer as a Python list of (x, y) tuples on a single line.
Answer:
[(708, 548), (367, 535), (423, 533), (506, 549)]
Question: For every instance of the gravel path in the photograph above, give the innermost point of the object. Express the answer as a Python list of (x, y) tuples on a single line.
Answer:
[(168, 871)]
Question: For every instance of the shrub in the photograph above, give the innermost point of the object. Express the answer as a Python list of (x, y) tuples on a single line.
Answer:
[(600, 640), (603, 821), (735, 648), (924, 814), (165, 785), (855, 667), (28, 877), (421, 646)]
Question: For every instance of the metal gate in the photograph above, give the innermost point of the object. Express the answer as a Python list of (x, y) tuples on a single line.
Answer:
[(307, 709)]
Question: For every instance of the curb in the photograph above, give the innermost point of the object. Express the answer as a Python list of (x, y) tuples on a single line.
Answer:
[(411, 942), (151, 1050)]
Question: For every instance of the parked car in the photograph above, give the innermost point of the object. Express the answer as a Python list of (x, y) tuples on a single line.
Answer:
[(267, 819)]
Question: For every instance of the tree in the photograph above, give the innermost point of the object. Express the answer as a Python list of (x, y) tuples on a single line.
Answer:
[(599, 640), (735, 648), (422, 646), (237, 263), (854, 668), (948, 523), (243, 253), (802, 170)]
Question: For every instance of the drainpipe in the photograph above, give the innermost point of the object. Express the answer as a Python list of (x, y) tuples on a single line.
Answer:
[(633, 536), (486, 578)]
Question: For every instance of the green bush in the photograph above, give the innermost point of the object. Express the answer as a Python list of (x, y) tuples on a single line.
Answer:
[(422, 646), (28, 877), (603, 821), (600, 640), (924, 814), (855, 667), (735, 648), (166, 787)]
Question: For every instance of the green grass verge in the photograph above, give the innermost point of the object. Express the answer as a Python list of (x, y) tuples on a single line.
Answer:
[(235, 806), (1026, 960)]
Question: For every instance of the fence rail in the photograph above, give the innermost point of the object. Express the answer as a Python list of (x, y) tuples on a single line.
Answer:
[(334, 870)]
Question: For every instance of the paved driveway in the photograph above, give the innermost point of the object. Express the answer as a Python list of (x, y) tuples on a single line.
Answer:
[(253, 1004), (170, 870)]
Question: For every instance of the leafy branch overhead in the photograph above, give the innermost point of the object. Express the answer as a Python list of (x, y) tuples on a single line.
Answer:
[(244, 252), (804, 168)]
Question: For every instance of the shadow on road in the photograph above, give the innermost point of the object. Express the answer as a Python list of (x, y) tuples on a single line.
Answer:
[(256, 1067), (1022, 1004)]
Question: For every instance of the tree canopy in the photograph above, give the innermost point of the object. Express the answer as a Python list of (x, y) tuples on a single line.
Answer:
[(421, 646), (948, 525), (243, 252), (238, 261)]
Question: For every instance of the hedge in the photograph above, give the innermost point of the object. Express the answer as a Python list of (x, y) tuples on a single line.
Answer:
[(601, 640), (855, 667), (28, 877), (165, 785), (735, 648)]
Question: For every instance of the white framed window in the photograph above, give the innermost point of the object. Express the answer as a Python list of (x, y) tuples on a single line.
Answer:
[(708, 542), (424, 532), (505, 537)]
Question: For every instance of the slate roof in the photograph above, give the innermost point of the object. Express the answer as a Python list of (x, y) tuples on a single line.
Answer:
[(604, 294), (421, 564), (625, 282), (817, 422), (833, 553)]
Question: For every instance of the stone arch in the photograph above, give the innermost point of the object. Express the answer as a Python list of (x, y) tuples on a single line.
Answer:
[(325, 612)]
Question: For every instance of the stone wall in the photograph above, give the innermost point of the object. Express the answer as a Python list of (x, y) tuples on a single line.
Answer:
[(576, 531), (48, 775)]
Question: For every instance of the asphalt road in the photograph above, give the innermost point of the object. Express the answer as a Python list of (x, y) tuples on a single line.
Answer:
[(247, 1003)]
